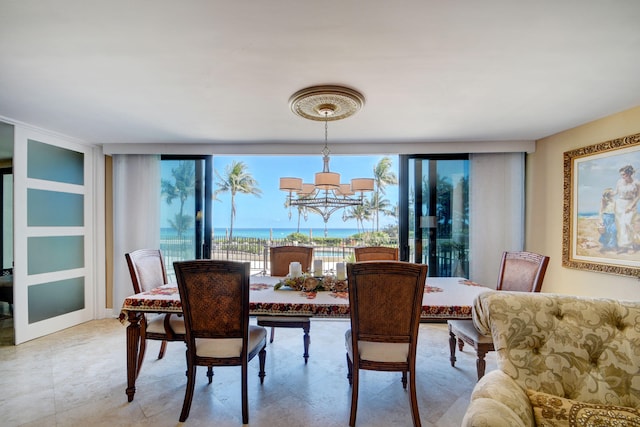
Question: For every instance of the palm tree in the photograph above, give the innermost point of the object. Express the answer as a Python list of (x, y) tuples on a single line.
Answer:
[(302, 212), (236, 180), (183, 187), (383, 206), (360, 213), (382, 176)]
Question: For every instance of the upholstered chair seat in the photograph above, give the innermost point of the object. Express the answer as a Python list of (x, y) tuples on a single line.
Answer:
[(378, 351), (229, 347), (156, 324)]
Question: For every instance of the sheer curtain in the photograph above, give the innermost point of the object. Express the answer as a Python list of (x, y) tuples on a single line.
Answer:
[(136, 215), (497, 212)]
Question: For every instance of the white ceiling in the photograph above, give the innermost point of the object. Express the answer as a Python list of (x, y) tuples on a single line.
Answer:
[(166, 71)]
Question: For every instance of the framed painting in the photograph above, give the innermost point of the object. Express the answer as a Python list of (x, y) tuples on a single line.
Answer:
[(601, 222)]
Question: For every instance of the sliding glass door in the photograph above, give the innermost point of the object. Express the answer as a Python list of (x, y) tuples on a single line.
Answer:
[(186, 219), (434, 212)]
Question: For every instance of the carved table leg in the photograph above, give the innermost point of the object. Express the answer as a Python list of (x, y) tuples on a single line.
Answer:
[(481, 363), (452, 347), (306, 340), (133, 343)]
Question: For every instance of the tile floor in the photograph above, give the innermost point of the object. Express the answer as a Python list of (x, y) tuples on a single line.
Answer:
[(77, 377)]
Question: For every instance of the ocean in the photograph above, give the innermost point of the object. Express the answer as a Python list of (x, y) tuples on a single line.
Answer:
[(275, 233)]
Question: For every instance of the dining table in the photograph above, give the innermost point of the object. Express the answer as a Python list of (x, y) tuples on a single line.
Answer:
[(444, 298)]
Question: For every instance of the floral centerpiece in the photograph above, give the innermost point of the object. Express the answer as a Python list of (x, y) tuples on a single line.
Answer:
[(308, 283)]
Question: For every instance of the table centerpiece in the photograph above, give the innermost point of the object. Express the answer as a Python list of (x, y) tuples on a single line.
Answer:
[(307, 283)]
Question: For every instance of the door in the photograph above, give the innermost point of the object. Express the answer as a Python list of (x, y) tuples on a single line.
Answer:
[(53, 234), (186, 205), (434, 212)]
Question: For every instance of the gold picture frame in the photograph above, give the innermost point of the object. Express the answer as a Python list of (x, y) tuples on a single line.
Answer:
[(601, 223)]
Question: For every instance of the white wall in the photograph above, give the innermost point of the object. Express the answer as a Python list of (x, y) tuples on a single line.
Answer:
[(544, 211)]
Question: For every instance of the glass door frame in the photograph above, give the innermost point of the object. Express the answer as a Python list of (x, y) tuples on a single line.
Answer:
[(406, 222), (203, 210)]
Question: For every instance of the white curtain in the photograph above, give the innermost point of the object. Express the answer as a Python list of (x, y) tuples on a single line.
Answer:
[(136, 215), (497, 212)]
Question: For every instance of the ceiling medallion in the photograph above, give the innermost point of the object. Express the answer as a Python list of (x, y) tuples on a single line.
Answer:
[(326, 103), (326, 195)]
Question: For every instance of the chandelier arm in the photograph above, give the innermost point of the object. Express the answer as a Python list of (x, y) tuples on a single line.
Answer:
[(339, 203), (325, 212)]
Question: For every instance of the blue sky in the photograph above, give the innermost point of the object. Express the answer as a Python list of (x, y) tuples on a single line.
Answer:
[(268, 211), (596, 173)]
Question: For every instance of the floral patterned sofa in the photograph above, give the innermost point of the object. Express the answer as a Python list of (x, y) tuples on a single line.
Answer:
[(562, 361)]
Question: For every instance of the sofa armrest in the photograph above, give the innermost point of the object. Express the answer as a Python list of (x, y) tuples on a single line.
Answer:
[(497, 400)]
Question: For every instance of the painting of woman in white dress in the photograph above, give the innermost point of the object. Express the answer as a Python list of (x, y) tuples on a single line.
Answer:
[(601, 209), (626, 210), (608, 194)]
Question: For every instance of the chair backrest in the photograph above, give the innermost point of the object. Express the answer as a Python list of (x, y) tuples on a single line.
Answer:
[(146, 268), (281, 256), (375, 253), (522, 271), (385, 300), (215, 299)]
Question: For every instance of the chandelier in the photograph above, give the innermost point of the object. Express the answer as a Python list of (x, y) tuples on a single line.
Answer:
[(326, 195)]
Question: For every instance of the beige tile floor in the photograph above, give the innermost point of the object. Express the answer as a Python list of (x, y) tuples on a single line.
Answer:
[(77, 377)]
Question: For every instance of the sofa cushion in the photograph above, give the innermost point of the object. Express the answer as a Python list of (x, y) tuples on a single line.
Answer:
[(554, 411), (497, 398)]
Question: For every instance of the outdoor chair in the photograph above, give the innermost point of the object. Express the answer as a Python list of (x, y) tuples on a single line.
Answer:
[(519, 271)]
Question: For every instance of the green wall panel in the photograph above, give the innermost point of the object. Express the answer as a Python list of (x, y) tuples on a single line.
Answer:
[(52, 163), (54, 253), (54, 209), (52, 299)]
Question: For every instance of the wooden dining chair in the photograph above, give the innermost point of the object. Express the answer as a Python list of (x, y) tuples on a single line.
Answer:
[(519, 271), (375, 253), (147, 271), (215, 303), (385, 299), (280, 257)]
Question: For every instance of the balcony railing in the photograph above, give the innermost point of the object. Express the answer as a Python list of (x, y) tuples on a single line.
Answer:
[(256, 252)]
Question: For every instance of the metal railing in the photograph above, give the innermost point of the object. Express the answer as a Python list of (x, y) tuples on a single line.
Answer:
[(256, 251)]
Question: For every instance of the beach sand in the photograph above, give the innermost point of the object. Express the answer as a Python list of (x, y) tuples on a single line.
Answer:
[(587, 243)]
